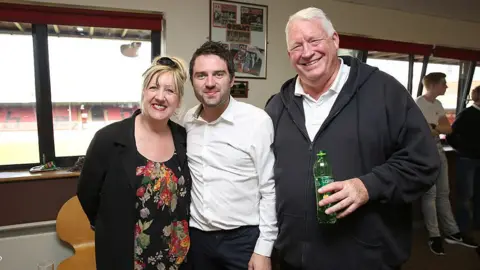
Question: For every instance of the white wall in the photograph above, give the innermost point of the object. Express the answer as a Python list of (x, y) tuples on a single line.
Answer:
[(25, 246), (26, 252)]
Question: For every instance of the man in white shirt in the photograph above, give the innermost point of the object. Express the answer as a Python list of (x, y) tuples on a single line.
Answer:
[(233, 222), (436, 203)]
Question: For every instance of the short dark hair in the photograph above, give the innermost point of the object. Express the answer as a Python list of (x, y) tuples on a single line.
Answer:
[(476, 94), (433, 78), (213, 48)]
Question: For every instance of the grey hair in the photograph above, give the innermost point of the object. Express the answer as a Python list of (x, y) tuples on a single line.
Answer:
[(310, 14)]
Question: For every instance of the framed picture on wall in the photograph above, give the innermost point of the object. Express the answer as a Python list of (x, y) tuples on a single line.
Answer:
[(242, 28), (239, 89)]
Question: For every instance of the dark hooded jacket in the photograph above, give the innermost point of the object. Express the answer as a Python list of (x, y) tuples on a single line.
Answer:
[(374, 132)]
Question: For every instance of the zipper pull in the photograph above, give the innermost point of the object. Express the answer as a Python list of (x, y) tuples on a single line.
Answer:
[(311, 146)]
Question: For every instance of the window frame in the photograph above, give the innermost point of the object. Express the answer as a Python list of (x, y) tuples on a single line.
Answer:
[(427, 50), (471, 57), (40, 16)]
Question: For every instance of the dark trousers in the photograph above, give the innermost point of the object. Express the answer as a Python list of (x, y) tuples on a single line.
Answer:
[(285, 266), (279, 264), (468, 193), (222, 250)]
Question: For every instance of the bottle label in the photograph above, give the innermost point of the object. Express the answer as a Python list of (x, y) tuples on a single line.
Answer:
[(325, 180), (320, 182)]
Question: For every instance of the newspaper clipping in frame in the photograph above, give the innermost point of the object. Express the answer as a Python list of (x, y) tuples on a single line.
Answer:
[(238, 33), (224, 14), (247, 59), (252, 17)]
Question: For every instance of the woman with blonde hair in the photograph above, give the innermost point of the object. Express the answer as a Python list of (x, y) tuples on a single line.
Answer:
[(135, 184)]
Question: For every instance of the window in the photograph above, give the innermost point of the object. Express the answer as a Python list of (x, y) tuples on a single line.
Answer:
[(395, 58), (476, 77), (417, 72), (65, 73), (392, 63), (18, 123), (95, 80), (347, 52), (452, 69), (475, 83)]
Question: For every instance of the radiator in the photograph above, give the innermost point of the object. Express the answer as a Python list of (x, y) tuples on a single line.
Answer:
[(25, 246)]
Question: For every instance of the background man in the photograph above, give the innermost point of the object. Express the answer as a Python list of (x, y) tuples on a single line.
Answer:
[(436, 202), (465, 139)]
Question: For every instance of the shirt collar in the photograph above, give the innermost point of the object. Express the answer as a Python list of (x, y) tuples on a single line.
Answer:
[(227, 115), (334, 87)]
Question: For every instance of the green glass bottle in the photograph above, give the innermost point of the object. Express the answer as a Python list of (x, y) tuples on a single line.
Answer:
[(322, 173)]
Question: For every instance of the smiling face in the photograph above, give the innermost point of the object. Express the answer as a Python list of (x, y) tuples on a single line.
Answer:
[(311, 51), (211, 80), (160, 97)]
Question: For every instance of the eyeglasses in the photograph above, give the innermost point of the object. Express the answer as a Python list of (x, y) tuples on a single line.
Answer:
[(167, 61), (300, 47)]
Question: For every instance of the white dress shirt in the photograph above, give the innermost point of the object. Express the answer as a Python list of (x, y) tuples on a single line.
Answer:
[(316, 111), (231, 163), (432, 111)]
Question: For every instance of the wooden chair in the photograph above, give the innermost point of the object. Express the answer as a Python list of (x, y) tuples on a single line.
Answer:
[(73, 227)]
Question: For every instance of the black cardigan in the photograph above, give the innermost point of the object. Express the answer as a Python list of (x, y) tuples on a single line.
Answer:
[(107, 188), (465, 136)]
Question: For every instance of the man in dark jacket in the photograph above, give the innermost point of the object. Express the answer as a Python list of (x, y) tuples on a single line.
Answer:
[(377, 142), (465, 139)]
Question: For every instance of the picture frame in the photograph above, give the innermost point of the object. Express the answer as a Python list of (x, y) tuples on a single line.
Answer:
[(243, 29), (239, 89)]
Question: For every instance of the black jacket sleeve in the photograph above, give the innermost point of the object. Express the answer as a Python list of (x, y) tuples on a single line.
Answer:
[(464, 138), (413, 165), (92, 177), (458, 128)]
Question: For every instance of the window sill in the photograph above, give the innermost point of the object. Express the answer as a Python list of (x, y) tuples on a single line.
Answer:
[(25, 175)]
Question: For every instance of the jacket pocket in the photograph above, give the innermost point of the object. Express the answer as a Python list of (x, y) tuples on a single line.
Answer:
[(344, 251), (364, 226), (363, 240), (362, 256), (354, 242)]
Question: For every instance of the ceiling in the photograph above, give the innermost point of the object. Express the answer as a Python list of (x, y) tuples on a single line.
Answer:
[(417, 58), (461, 10), (78, 31)]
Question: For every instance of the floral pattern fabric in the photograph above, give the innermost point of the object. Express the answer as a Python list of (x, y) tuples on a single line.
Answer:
[(161, 232)]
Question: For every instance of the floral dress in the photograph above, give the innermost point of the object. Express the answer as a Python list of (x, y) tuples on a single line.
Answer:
[(161, 232)]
